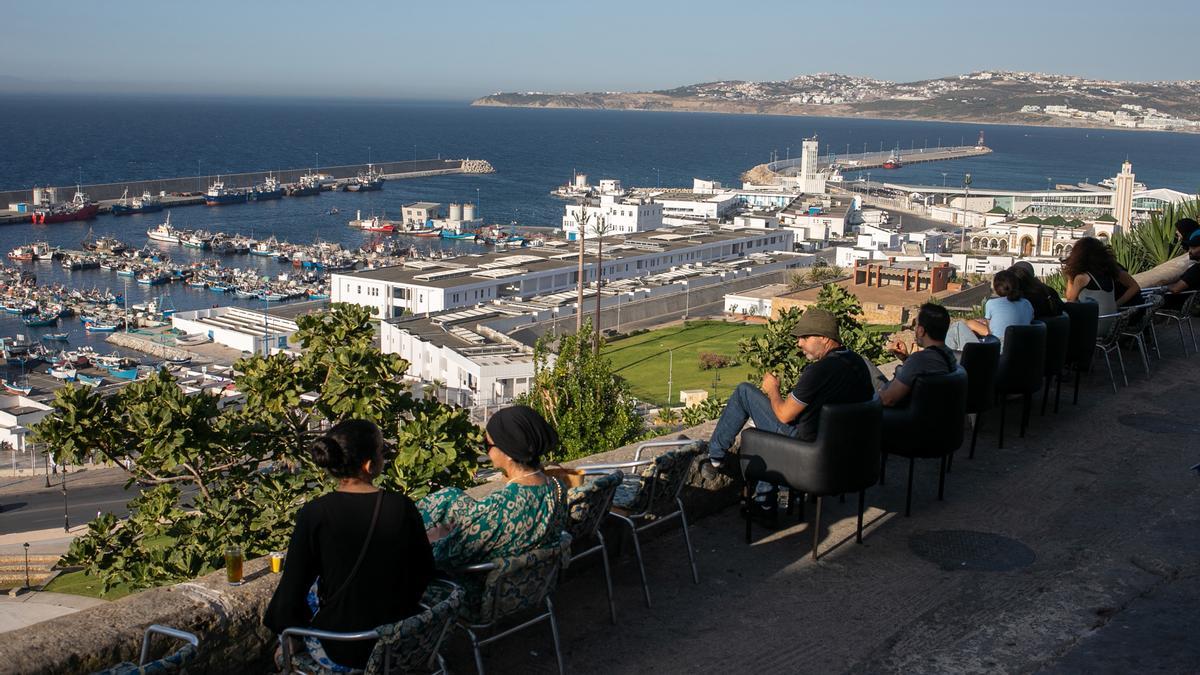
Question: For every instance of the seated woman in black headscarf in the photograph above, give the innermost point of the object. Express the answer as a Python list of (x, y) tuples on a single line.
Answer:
[(529, 512)]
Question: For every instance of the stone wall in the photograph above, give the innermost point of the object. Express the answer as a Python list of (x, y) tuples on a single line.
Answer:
[(227, 619)]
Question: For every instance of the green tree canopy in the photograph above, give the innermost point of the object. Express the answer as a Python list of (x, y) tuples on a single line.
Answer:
[(218, 475)]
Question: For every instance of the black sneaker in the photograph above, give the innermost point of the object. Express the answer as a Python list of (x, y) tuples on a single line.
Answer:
[(710, 468), (763, 511)]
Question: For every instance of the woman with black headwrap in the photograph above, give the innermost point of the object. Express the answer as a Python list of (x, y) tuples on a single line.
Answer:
[(527, 513)]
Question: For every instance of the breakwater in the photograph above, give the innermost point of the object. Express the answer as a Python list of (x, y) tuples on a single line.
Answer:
[(185, 185)]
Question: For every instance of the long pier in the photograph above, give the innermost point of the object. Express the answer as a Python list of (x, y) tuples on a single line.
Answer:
[(875, 160), (186, 189)]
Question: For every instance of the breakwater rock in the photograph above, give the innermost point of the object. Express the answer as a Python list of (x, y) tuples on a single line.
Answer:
[(477, 166)]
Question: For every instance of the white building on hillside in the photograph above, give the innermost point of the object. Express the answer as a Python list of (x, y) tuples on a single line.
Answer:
[(616, 214), (243, 329), (17, 414)]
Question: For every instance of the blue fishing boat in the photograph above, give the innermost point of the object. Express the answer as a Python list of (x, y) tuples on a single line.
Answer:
[(123, 373), (39, 320), (89, 380), (56, 337), (217, 195), (447, 234), (14, 388), (147, 203), (102, 327)]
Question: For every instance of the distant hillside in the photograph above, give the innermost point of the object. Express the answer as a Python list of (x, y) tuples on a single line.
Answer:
[(988, 96)]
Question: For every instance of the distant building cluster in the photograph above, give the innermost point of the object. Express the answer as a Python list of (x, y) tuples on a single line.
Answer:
[(1129, 115)]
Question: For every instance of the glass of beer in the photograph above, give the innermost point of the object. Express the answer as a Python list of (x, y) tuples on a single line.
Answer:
[(233, 565), (276, 562)]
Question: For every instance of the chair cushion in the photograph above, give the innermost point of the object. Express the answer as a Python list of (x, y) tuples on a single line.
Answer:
[(171, 663)]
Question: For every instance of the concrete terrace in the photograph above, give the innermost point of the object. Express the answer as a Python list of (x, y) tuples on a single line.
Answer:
[(1096, 515)]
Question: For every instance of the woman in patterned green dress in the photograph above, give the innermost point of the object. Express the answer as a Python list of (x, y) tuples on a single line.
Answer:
[(529, 512)]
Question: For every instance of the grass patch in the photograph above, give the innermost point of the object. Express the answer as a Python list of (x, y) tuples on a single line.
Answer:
[(81, 583), (645, 360)]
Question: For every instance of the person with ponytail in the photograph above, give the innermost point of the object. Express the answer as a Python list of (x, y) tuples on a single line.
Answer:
[(527, 513), (358, 558), (1008, 308)]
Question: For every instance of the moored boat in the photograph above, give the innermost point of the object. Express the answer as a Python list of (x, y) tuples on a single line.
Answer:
[(147, 203), (217, 195), (79, 208), (14, 388), (164, 232)]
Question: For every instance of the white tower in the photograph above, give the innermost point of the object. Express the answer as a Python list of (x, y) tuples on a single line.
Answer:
[(1123, 196), (808, 159)]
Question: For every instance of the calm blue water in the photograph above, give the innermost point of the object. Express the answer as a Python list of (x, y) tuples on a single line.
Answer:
[(52, 140)]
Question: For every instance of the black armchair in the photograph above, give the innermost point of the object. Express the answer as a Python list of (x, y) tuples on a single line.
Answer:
[(1022, 366), (1081, 339), (929, 427), (1058, 337), (844, 458), (981, 360)]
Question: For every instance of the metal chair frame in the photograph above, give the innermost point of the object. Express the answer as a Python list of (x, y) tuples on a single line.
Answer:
[(477, 644), (1136, 330), (600, 547), (1184, 315), (187, 637), (286, 644), (649, 518), (1111, 343)]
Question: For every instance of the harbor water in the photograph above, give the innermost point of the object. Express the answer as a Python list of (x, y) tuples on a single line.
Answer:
[(59, 140)]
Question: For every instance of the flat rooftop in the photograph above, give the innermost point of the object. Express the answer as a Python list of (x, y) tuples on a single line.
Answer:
[(893, 294)]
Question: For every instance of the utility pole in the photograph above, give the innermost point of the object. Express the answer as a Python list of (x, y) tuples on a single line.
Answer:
[(601, 230), (582, 221)]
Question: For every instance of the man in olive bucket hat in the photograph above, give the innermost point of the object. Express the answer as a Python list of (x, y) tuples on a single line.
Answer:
[(834, 374)]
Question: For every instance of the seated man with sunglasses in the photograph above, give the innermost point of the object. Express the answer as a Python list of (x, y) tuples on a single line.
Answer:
[(933, 357)]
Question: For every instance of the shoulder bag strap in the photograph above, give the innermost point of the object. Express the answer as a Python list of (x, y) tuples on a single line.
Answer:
[(361, 554)]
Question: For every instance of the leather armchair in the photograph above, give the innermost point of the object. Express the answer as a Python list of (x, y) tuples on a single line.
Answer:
[(981, 360), (1058, 337), (1022, 367), (1081, 340), (930, 426), (844, 458)]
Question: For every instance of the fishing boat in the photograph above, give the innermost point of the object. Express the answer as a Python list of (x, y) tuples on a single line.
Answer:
[(265, 248), (21, 254), (153, 277), (40, 320), (124, 373), (366, 181), (449, 234), (268, 189), (164, 232), (218, 195), (105, 244), (310, 184), (428, 232), (14, 388), (79, 208), (199, 240), (147, 203), (65, 373), (893, 160), (89, 380), (103, 326), (56, 337)]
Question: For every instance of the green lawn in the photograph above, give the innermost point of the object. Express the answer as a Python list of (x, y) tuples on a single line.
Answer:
[(80, 583), (646, 360)]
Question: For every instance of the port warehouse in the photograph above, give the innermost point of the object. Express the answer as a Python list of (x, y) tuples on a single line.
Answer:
[(424, 286), (101, 191)]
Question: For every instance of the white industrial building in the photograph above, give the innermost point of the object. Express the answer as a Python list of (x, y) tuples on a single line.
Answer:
[(616, 214), (239, 328), (475, 365), (17, 414), (431, 286), (755, 301)]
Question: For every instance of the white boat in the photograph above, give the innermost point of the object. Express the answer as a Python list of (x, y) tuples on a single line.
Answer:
[(66, 374), (164, 232)]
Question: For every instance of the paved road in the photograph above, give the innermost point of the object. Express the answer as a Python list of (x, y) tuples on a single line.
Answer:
[(29, 505)]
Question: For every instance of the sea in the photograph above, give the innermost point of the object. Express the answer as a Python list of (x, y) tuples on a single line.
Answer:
[(61, 140)]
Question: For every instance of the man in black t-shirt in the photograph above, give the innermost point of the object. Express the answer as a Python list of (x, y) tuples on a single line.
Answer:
[(934, 357), (834, 375), (1190, 281)]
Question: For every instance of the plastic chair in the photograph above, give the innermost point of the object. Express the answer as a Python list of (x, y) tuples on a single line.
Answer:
[(587, 505), (1141, 322), (1058, 337), (650, 497), (1110, 342), (1022, 367), (1081, 340), (409, 644), (171, 663), (844, 458), (981, 360), (1184, 315), (929, 427), (513, 586)]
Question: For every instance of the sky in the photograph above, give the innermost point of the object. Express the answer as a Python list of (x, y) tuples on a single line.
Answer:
[(463, 49)]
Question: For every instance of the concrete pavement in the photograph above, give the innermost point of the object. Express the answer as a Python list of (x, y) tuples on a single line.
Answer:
[(33, 607)]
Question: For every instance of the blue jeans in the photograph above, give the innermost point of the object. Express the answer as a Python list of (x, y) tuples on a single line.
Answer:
[(747, 403)]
